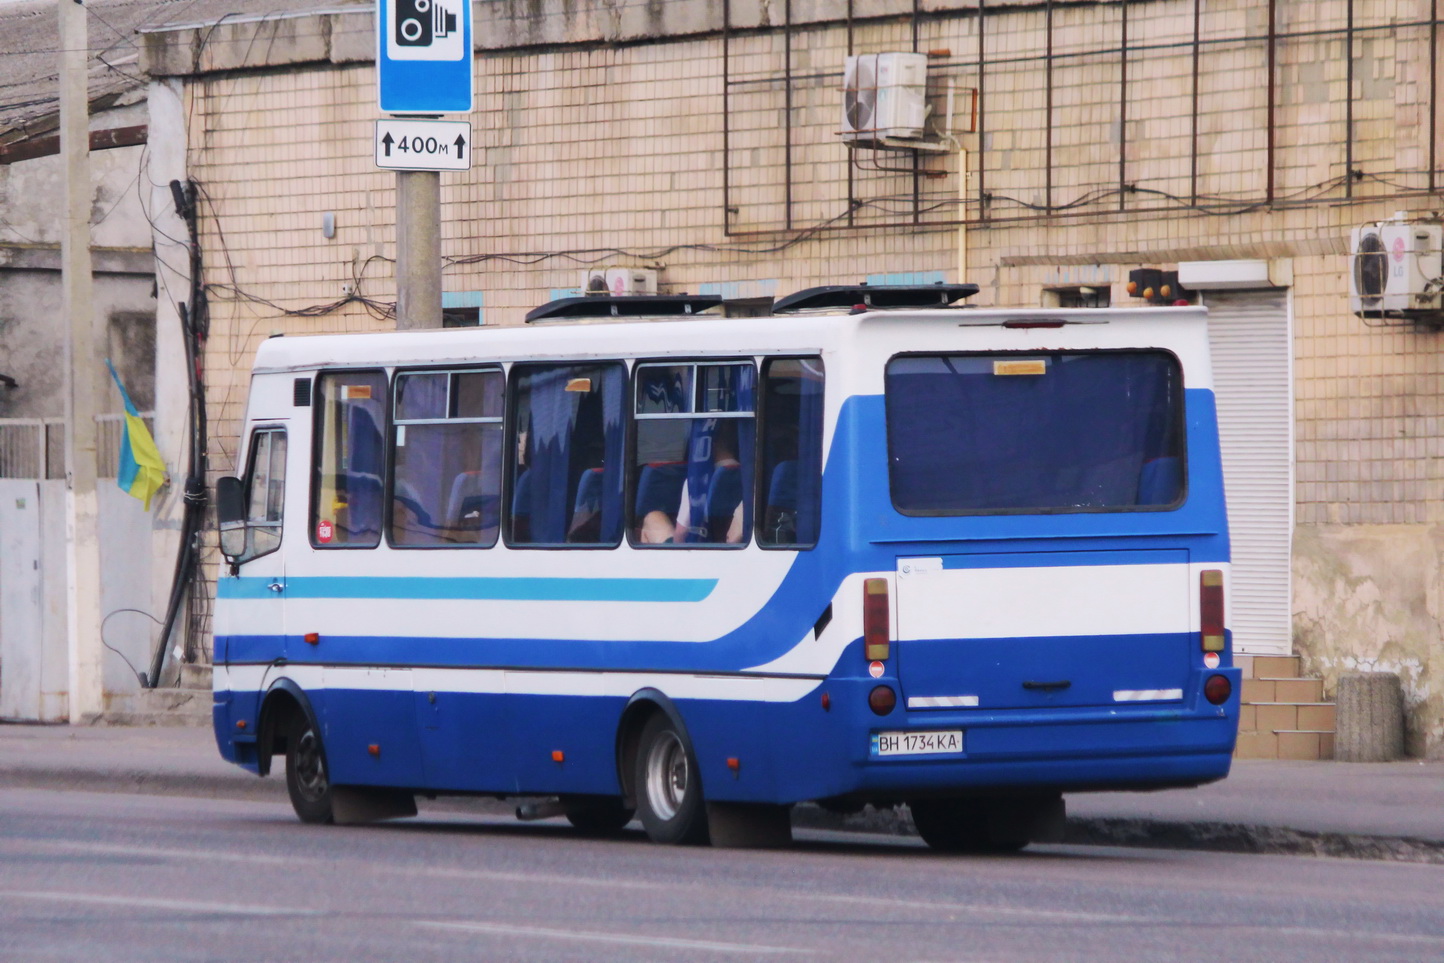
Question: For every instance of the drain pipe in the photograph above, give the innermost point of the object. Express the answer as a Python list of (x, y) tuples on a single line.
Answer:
[(962, 214)]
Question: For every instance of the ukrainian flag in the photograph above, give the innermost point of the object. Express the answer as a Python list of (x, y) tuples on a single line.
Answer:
[(141, 471)]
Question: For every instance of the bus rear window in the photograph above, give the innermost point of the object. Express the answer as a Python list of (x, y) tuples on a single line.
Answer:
[(1038, 432)]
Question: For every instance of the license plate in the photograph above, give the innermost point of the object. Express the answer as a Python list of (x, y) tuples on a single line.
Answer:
[(917, 743)]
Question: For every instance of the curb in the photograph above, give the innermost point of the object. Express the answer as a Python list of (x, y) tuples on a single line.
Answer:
[(1245, 838), (1165, 834), (895, 821), (145, 782)]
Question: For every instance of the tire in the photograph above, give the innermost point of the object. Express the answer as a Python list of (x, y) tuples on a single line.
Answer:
[(964, 826), (307, 780), (668, 786), (597, 815)]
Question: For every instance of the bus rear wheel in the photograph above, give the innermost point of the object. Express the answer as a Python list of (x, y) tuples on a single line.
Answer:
[(967, 826), (597, 815), (668, 786), (307, 781)]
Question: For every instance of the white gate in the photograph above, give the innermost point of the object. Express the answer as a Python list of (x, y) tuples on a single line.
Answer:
[(34, 674)]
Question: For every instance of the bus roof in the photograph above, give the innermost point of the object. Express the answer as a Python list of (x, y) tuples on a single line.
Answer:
[(711, 335)]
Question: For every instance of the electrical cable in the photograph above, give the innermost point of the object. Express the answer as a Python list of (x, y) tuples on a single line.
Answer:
[(1215, 205), (144, 680), (195, 325)]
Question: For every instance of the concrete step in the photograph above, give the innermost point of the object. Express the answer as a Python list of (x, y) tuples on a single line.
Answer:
[(1274, 667), (1285, 744), (195, 675), (1281, 715), (1276, 716), (158, 707), (1295, 690)]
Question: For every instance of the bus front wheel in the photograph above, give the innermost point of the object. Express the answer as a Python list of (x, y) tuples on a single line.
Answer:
[(307, 781), (668, 787)]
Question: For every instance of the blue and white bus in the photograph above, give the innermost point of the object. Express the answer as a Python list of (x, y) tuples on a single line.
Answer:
[(698, 569)]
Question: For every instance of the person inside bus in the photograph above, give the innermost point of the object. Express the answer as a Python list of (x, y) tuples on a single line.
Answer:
[(661, 453), (720, 482), (659, 489)]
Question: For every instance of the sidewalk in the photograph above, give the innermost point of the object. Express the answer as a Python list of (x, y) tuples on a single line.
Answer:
[(1361, 810)]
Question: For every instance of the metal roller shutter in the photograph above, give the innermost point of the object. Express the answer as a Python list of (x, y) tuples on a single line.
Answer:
[(1251, 338)]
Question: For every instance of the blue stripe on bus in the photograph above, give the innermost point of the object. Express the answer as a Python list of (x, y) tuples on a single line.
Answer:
[(574, 655), (473, 589)]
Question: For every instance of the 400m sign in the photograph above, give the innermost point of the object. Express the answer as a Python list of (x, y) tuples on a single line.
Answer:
[(423, 145)]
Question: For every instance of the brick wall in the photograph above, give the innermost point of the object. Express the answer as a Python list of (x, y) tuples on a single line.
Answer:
[(588, 151)]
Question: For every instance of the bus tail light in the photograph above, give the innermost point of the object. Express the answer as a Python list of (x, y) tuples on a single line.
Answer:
[(876, 628), (1210, 610), (882, 700), (1217, 689)]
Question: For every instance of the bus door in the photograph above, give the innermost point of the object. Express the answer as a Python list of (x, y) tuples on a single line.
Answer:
[(1038, 630), (255, 626)]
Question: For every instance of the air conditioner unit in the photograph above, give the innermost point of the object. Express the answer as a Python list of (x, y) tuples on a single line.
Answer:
[(619, 281), (1396, 270), (884, 97)]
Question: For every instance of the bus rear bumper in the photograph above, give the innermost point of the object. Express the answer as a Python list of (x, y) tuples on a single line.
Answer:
[(1076, 750), (901, 781), (1140, 745)]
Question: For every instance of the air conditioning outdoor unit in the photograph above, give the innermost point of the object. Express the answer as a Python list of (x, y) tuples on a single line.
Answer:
[(619, 281), (1396, 270), (884, 97)]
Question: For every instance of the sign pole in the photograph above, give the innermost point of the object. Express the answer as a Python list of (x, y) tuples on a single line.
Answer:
[(424, 61), (418, 250)]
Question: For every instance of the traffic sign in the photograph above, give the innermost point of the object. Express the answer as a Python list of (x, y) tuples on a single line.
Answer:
[(423, 145), (423, 56)]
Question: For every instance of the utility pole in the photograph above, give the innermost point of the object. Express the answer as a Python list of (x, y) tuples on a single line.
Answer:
[(82, 514), (418, 249)]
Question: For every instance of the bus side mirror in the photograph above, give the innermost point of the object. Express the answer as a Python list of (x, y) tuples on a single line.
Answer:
[(231, 516)]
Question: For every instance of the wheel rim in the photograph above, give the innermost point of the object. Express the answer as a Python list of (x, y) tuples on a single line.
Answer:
[(667, 775), (310, 770)]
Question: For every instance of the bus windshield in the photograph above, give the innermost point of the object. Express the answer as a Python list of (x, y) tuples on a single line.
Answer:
[(1038, 432)]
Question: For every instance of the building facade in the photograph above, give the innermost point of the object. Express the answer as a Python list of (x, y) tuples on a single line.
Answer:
[(1067, 146)]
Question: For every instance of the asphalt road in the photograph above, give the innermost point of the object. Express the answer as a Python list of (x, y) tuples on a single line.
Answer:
[(119, 877)]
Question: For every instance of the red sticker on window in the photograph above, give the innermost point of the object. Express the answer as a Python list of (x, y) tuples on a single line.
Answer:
[(324, 531)]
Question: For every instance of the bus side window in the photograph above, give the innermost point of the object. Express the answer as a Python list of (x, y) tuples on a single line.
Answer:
[(349, 459), (692, 474), (446, 456), (566, 423), (791, 478), (266, 491)]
